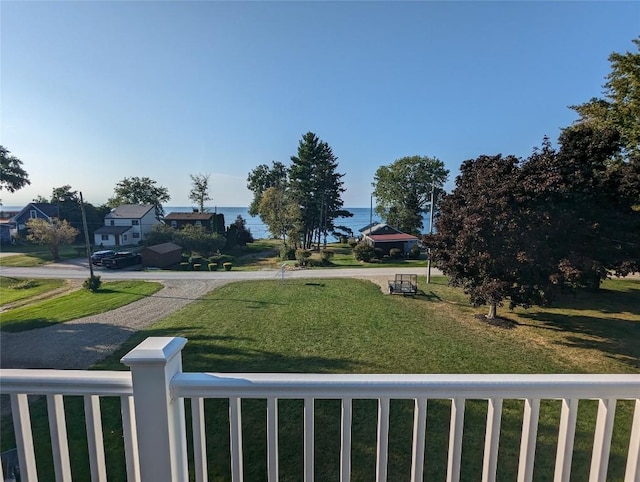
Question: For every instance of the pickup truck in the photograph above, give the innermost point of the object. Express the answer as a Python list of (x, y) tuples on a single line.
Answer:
[(121, 259)]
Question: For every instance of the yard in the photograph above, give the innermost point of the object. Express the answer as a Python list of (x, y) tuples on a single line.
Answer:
[(349, 326)]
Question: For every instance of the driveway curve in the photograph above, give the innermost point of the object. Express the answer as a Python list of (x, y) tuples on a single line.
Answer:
[(80, 343)]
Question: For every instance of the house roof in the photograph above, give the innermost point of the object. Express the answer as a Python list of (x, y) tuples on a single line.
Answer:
[(381, 228), (163, 248), (129, 211), (112, 230), (388, 238), (46, 209), (188, 217)]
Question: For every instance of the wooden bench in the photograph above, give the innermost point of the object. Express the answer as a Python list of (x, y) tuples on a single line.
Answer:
[(404, 284)]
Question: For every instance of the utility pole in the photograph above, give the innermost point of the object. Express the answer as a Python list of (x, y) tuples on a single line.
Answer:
[(433, 189), (86, 235)]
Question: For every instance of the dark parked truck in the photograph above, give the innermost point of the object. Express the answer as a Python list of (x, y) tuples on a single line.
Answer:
[(121, 260), (98, 256)]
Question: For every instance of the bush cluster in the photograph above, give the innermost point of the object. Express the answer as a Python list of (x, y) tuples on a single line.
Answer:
[(364, 252), (92, 283), (395, 253), (302, 256)]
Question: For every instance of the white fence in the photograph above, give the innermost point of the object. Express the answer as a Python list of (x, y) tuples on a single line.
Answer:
[(154, 428)]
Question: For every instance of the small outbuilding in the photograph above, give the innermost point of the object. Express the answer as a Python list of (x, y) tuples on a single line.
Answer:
[(161, 255), (386, 238)]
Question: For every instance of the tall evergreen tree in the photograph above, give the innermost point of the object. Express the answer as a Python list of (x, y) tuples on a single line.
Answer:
[(317, 187)]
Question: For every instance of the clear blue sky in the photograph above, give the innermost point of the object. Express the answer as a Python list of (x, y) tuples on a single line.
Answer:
[(93, 92)]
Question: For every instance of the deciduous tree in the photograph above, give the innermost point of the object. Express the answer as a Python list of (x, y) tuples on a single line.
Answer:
[(483, 239), (140, 190), (280, 213), (262, 178), (199, 193), (403, 190), (12, 175), (52, 235)]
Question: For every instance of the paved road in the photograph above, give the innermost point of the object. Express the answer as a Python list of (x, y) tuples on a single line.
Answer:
[(79, 270)]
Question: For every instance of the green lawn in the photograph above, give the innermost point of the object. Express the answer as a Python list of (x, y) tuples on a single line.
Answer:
[(349, 326), (17, 289), (35, 254), (75, 305)]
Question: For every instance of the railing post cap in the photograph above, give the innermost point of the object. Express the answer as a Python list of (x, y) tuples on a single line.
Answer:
[(154, 350)]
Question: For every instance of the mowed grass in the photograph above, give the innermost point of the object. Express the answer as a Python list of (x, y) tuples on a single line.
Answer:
[(35, 255), (76, 304), (17, 289), (349, 326)]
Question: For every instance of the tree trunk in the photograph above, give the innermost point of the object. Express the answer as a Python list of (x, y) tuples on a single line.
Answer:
[(493, 308), (54, 252)]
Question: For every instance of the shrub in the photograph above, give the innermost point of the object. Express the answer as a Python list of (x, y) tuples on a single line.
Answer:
[(196, 266), (287, 253), (379, 252), (395, 253), (184, 266), (353, 243), (213, 266), (326, 255), (195, 259), (414, 252), (302, 255), (92, 283), (363, 252), (227, 266)]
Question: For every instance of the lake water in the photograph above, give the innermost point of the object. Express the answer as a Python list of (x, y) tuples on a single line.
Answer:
[(360, 219)]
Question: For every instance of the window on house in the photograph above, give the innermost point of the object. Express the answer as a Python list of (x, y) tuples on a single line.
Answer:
[(124, 236), (33, 214), (136, 235), (113, 222), (135, 222), (174, 224), (104, 237), (198, 223)]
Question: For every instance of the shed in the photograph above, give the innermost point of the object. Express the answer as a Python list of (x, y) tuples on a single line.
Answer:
[(161, 255)]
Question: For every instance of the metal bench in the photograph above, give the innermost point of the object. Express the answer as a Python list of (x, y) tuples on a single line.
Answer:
[(404, 284)]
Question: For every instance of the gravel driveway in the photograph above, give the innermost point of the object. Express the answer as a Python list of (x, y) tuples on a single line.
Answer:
[(80, 343)]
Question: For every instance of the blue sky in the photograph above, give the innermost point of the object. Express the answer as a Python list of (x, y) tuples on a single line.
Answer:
[(92, 92)]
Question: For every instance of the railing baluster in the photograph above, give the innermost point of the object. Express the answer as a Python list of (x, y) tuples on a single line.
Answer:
[(235, 421), (632, 473), (308, 439), (566, 435), (419, 436), (272, 439), (492, 440), (528, 439), (199, 439), (602, 440), (455, 440), (345, 452), (59, 445), (383, 439), (94, 438), (24, 437), (130, 436)]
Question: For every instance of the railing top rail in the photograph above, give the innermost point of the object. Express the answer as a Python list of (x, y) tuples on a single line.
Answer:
[(508, 386), (65, 382)]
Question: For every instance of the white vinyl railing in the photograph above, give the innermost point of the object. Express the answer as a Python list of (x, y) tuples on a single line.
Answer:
[(154, 423)]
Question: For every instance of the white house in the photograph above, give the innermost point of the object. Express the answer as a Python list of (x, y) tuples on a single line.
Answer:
[(127, 224)]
